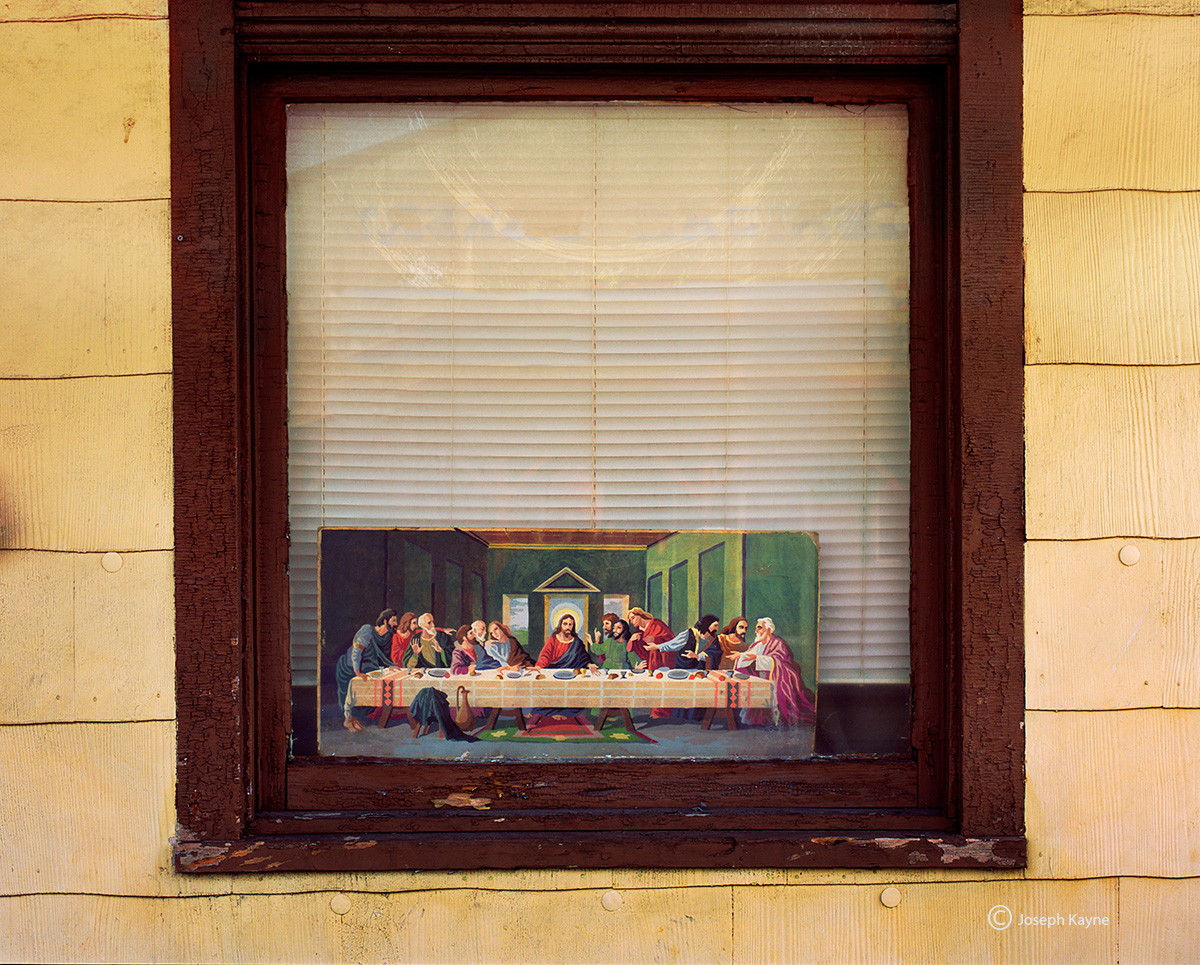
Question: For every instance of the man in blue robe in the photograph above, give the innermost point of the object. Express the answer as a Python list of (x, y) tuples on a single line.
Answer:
[(369, 650)]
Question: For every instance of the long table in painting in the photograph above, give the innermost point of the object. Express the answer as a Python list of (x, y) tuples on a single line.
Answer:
[(614, 692)]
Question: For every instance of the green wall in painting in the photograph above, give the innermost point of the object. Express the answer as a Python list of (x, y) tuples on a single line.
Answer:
[(711, 580), (765, 575), (782, 583), (679, 601), (410, 577), (654, 593), (689, 548), (434, 569), (517, 570)]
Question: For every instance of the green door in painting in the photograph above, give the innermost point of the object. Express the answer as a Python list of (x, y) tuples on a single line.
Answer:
[(677, 598)]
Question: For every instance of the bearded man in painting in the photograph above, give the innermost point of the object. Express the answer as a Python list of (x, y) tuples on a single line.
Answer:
[(432, 647), (609, 651), (369, 650), (703, 649), (733, 641), (769, 656), (564, 650), (479, 629), (651, 633), (599, 636)]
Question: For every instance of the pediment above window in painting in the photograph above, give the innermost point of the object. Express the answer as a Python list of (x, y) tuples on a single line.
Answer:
[(566, 579)]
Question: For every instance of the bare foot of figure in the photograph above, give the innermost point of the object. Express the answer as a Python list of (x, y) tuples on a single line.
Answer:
[(352, 724)]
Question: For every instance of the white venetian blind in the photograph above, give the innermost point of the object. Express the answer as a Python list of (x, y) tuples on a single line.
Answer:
[(610, 316)]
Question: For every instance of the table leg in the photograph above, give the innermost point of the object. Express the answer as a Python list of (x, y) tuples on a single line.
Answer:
[(628, 718), (730, 719), (520, 719), (490, 723), (605, 713), (385, 714), (708, 718)]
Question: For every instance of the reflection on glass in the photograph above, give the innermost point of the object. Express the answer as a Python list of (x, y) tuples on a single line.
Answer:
[(609, 317)]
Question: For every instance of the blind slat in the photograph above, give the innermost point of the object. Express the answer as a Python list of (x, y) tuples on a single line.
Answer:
[(659, 316)]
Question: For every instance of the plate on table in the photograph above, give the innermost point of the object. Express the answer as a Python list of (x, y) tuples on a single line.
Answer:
[(514, 673), (677, 674), (741, 676), (564, 675), (438, 672)]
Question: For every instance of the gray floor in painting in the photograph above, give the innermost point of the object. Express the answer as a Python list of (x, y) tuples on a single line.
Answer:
[(675, 737)]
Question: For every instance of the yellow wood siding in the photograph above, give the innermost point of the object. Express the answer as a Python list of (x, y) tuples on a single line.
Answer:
[(1159, 924), (745, 925), (87, 288), (87, 749), (1113, 277), (1112, 222), (85, 109), (1112, 102), (1112, 451), (78, 9), (112, 656), (1076, 7), (1101, 634), (86, 807), (1113, 793), (932, 923), (90, 460)]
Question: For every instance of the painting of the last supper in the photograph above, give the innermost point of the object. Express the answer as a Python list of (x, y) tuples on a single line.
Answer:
[(474, 644)]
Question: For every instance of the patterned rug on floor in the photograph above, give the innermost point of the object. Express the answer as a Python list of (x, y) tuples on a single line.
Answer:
[(559, 729)]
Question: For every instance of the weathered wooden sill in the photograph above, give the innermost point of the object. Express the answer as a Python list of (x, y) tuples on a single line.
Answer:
[(506, 850)]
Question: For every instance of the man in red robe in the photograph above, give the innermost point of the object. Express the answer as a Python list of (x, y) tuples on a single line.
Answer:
[(564, 650), (770, 656), (653, 632)]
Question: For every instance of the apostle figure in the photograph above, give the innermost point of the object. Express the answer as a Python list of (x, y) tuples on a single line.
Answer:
[(608, 648), (769, 656), (462, 661), (432, 647), (703, 649), (400, 639), (691, 647), (651, 634), (369, 650), (479, 633), (733, 642), (504, 648), (619, 653)]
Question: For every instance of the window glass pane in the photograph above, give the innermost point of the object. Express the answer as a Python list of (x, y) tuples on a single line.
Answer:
[(608, 317)]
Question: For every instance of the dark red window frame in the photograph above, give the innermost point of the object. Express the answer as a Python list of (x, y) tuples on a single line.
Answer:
[(244, 803)]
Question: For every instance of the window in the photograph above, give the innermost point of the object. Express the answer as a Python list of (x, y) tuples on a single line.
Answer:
[(951, 793)]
